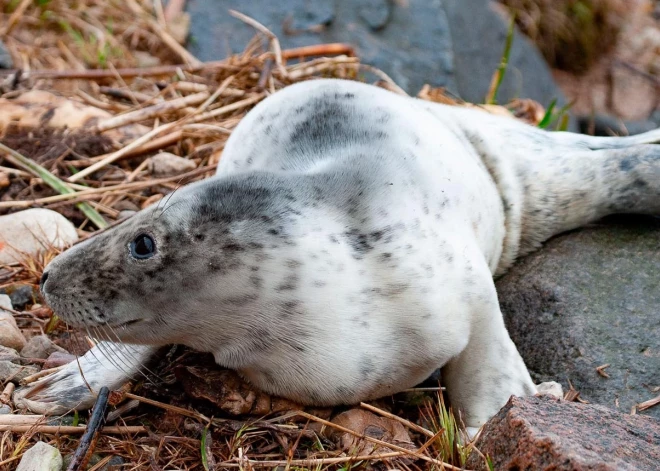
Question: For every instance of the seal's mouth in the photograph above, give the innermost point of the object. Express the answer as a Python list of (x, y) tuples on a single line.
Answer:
[(126, 324)]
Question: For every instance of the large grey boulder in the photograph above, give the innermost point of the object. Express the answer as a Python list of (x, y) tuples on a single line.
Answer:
[(455, 44), (587, 299), (409, 40)]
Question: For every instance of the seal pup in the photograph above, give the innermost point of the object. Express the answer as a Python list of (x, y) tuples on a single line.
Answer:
[(344, 251)]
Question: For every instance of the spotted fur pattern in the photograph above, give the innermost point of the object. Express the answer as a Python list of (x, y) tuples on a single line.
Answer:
[(346, 249)]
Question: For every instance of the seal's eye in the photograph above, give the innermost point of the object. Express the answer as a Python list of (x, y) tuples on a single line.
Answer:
[(143, 247)]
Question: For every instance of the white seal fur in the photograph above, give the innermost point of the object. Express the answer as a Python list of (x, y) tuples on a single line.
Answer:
[(345, 250)]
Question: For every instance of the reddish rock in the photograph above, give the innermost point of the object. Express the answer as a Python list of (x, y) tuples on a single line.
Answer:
[(56, 359), (544, 433)]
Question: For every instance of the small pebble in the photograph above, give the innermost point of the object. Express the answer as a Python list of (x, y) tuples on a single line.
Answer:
[(15, 373), (5, 302), (40, 346), (376, 13), (41, 457), (125, 214), (10, 335), (165, 164), (31, 231), (6, 61), (9, 354), (5, 409), (58, 359), (20, 295)]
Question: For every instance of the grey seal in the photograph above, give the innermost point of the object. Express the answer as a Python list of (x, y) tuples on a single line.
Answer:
[(344, 251)]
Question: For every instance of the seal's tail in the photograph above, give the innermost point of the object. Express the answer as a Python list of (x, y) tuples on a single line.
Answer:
[(582, 179), (551, 182)]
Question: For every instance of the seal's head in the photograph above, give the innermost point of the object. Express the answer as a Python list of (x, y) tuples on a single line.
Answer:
[(183, 271)]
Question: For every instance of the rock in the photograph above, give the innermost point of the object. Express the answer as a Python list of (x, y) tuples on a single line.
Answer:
[(15, 373), (116, 463), (20, 295), (587, 299), (10, 335), (41, 457), (125, 214), (9, 354), (548, 433), (40, 346), (456, 44), (6, 62), (5, 409), (58, 358), (376, 13), (165, 164), (31, 231), (413, 46)]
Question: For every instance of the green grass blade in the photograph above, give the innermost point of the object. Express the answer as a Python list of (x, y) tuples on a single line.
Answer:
[(52, 181), (205, 458), (547, 117), (498, 76)]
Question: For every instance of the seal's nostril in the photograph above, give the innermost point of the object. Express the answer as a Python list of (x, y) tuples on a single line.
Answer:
[(44, 277)]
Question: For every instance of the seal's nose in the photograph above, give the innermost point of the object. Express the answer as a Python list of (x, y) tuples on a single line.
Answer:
[(44, 277)]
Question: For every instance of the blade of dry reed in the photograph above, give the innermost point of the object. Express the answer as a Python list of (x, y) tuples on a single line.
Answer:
[(51, 180)]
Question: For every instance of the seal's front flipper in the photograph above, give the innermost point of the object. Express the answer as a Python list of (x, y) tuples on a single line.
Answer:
[(489, 370), (107, 364)]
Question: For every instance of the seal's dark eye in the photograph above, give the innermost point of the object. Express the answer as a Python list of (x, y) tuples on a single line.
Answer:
[(143, 247)]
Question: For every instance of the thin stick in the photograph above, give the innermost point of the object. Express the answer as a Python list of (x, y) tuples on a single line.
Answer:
[(229, 108), (5, 397), (311, 462), (162, 405), (13, 19), (329, 49), (40, 374), (274, 42), (70, 430), (88, 441), (405, 422), (648, 404), (149, 112), (155, 144), (20, 419)]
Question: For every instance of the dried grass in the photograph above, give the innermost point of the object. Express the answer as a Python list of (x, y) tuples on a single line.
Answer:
[(88, 52), (571, 34)]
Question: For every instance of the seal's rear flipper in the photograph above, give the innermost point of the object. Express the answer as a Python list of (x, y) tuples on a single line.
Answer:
[(107, 364)]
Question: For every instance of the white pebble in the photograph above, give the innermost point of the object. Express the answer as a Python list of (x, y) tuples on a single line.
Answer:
[(31, 231), (165, 164), (41, 457)]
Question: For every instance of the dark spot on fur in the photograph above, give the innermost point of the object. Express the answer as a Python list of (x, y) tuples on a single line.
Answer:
[(256, 281), (290, 283)]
